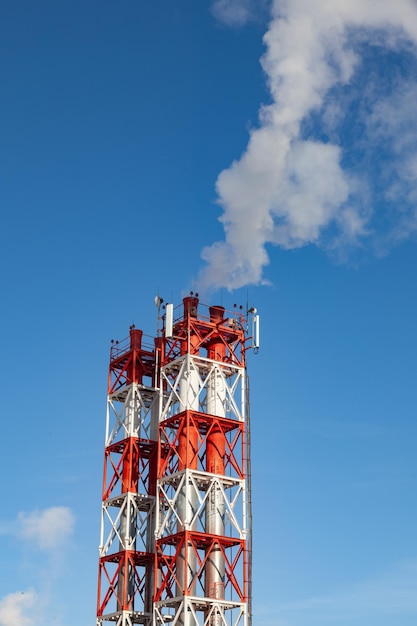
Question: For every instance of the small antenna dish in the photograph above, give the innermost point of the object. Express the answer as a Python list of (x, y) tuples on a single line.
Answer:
[(158, 301)]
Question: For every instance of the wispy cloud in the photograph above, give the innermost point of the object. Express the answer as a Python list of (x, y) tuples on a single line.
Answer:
[(48, 528), (390, 593), (233, 12), (337, 428), (314, 171), (392, 125)]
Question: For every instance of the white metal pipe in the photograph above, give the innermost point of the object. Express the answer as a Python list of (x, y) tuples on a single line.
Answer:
[(189, 388)]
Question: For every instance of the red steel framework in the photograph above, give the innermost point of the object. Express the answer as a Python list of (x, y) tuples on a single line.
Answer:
[(176, 524)]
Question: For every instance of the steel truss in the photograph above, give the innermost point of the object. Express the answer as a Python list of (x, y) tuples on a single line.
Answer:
[(201, 488), (201, 373)]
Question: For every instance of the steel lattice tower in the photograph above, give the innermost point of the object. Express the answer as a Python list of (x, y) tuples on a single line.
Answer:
[(176, 531), (126, 563)]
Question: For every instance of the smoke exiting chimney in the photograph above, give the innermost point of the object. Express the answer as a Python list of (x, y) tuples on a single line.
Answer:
[(297, 183)]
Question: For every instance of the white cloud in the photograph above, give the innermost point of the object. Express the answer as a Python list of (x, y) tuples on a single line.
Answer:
[(47, 528), (17, 609), (288, 187)]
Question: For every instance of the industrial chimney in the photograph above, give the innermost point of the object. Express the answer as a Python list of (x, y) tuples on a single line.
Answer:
[(176, 522)]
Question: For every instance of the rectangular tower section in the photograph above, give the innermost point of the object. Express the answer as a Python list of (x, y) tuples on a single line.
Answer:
[(201, 500), (127, 547)]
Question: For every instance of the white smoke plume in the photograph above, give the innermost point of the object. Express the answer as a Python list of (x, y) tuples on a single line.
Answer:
[(17, 609), (311, 173)]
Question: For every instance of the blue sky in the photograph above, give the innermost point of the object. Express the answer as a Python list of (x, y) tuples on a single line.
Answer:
[(127, 130)]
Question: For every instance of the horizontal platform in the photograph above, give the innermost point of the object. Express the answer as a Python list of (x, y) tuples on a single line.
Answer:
[(137, 558), (203, 480), (200, 604), (143, 502), (136, 617), (202, 541)]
